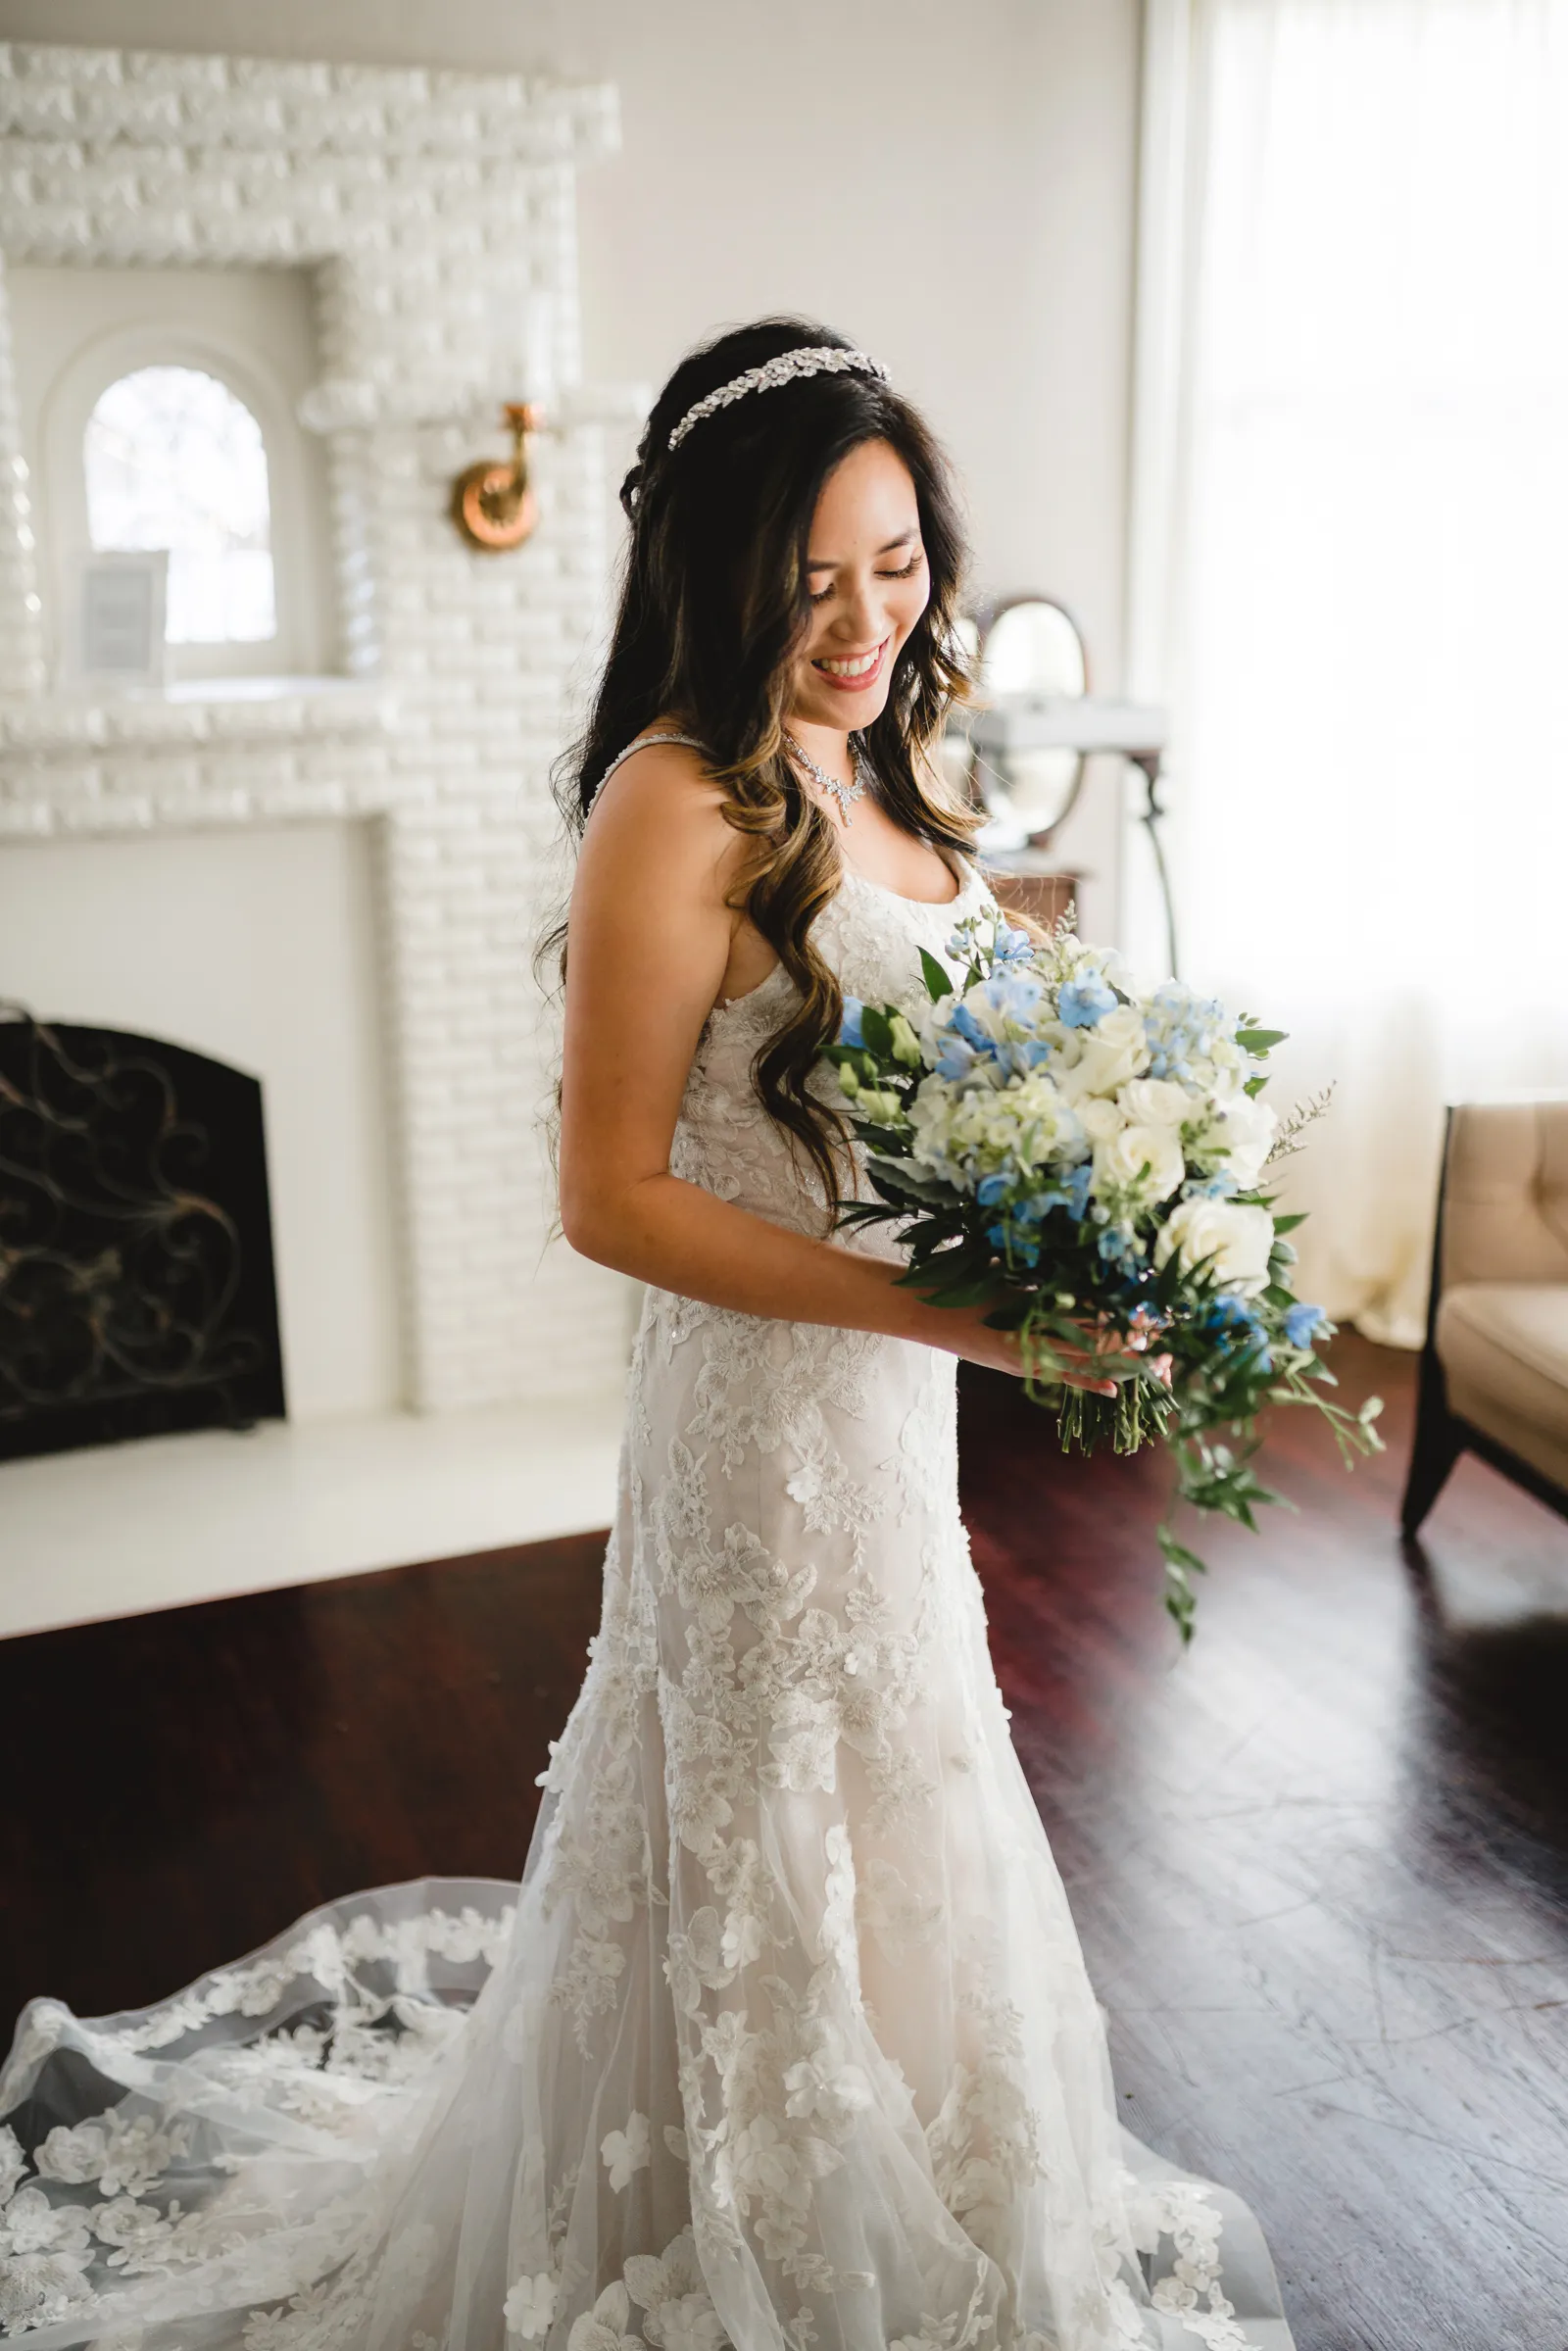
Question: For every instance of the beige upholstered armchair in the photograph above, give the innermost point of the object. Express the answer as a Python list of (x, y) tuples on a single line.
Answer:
[(1495, 1372)]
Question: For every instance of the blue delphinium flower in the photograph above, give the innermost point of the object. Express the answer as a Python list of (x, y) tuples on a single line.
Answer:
[(1301, 1324), (1012, 946), (1015, 994), (1239, 1326), (1081, 1002), (1015, 1060), (956, 1058), (850, 1025), (1180, 1027), (1071, 1194), (1119, 1246), (970, 1029), (990, 1190)]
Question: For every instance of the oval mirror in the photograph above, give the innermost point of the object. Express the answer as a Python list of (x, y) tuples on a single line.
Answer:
[(1030, 644)]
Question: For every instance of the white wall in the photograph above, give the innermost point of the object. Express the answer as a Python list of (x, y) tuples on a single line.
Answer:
[(953, 185)]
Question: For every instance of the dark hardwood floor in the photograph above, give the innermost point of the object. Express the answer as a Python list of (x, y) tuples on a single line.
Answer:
[(1320, 1864)]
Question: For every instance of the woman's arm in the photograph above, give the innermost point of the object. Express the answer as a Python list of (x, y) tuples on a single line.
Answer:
[(650, 941)]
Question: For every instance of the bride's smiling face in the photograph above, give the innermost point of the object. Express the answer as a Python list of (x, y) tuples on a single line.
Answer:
[(868, 585)]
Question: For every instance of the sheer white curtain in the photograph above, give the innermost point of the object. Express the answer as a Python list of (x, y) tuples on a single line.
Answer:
[(1350, 567)]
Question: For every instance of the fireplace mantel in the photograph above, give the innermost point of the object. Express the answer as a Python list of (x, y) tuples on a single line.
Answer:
[(266, 750), (210, 711)]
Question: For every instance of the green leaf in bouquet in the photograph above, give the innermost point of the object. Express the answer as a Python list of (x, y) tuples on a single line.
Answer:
[(875, 1135), (1232, 1493), (1181, 1565), (1253, 1086), (937, 978), (977, 1290), (1179, 1555), (1258, 1042), (900, 1177), (878, 1030), (1288, 1224)]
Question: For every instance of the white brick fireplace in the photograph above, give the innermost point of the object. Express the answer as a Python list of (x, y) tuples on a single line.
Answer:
[(435, 214)]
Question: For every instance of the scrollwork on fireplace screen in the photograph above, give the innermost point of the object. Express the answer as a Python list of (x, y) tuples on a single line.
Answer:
[(136, 1288)]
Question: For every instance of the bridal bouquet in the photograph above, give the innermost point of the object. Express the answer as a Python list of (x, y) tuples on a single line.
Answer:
[(1089, 1162)]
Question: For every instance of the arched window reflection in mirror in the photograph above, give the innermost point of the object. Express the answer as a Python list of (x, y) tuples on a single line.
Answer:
[(174, 458)]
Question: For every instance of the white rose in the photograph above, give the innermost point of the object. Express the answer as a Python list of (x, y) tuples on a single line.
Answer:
[(1155, 1103), (1247, 1135), (1100, 1120), (1238, 1239), (1114, 1051), (1122, 1159)]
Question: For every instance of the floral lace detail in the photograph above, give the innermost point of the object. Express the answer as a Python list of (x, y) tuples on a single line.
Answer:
[(99, 2206), (1193, 2292), (789, 2040), (722, 1141), (330, 1955)]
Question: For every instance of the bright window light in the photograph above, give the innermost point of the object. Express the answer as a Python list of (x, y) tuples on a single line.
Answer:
[(174, 458)]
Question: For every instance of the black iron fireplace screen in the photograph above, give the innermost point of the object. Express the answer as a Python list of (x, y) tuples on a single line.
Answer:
[(136, 1278)]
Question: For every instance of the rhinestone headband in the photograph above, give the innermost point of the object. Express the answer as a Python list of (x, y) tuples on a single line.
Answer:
[(814, 359)]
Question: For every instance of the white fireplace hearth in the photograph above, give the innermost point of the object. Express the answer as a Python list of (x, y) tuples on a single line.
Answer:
[(170, 1520)]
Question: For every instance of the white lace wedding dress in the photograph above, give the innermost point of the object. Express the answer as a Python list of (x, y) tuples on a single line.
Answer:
[(786, 2042)]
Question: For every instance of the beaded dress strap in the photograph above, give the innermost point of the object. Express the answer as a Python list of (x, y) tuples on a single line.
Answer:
[(641, 744)]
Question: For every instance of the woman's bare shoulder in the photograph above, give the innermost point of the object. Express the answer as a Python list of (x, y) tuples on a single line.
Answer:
[(662, 808), (660, 766)]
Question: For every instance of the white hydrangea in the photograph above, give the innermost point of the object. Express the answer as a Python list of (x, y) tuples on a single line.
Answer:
[(968, 1132)]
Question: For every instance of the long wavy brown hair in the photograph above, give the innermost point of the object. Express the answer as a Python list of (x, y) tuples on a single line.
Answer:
[(715, 605)]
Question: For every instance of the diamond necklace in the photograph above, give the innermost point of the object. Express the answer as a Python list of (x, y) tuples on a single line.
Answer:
[(845, 794)]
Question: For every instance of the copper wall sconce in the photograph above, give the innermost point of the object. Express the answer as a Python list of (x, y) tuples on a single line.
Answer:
[(494, 506)]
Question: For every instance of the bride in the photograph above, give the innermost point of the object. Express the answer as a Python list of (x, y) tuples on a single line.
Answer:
[(786, 2042)]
